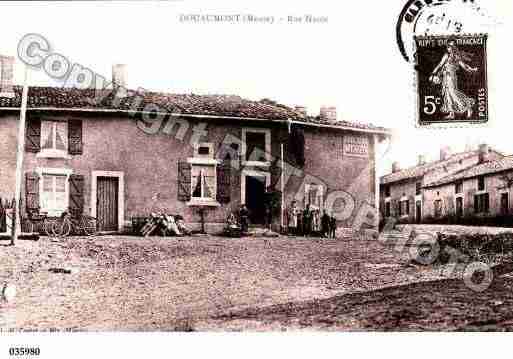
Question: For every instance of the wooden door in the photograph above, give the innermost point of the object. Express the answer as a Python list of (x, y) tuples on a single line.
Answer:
[(107, 203)]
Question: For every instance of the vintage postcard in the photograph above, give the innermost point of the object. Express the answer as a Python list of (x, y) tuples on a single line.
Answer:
[(451, 80), (174, 169)]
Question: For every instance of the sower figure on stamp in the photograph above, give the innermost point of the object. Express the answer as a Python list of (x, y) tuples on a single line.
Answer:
[(454, 100)]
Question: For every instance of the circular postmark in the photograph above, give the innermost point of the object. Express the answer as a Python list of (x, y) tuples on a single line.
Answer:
[(439, 17)]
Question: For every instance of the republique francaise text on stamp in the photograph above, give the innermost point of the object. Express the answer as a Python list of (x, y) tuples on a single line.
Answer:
[(451, 81)]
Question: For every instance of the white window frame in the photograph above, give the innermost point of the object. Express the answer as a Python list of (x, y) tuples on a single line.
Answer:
[(307, 192), (210, 146), (53, 152), (202, 161), (252, 173), (268, 156), (41, 171), (121, 193)]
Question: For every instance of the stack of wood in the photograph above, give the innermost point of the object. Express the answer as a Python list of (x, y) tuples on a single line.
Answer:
[(164, 225)]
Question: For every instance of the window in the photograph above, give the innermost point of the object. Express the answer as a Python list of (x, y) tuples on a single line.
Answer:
[(405, 208), (504, 203), (387, 209), (438, 208), (387, 191), (256, 146), (54, 193), (458, 187), (203, 181), (54, 137), (203, 175), (481, 203), (481, 183), (314, 196), (418, 187)]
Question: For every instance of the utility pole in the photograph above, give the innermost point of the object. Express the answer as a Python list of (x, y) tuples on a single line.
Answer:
[(19, 161)]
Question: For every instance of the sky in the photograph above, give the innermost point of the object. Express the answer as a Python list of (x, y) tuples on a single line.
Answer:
[(351, 61)]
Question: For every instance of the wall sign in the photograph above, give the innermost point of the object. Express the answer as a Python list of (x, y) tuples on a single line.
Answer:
[(356, 145)]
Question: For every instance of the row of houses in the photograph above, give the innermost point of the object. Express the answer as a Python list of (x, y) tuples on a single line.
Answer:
[(113, 161), (474, 184)]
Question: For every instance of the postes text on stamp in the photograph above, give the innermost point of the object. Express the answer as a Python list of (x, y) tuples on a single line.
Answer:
[(451, 79)]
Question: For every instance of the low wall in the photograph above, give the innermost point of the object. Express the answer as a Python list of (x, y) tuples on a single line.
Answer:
[(454, 228)]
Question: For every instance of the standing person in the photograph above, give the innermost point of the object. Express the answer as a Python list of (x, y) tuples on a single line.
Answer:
[(333, 227), (292, 218), (307, 221), (243, 215), (446, 73), (325, 224)]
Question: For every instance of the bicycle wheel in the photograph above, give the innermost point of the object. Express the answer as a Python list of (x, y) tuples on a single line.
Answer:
[(47, 227), (88, 225), (61, 228)]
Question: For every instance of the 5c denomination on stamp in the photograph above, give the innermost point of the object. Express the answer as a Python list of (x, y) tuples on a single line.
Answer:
[(451, 79)]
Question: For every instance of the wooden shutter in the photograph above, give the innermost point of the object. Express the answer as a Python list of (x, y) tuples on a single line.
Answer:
[(75, 137), (33, 135), (469, 203), (223, 182), (76, 194), (32, 191), (184, 181)]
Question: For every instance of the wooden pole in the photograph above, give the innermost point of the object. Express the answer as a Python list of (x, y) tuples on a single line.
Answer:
[(282, 175), (19, 160)]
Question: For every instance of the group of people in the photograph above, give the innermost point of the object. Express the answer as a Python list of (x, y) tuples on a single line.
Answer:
[(310, 222)]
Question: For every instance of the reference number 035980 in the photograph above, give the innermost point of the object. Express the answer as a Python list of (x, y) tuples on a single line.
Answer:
[(24, 351)]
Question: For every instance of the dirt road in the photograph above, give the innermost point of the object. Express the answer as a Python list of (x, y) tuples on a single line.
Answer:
[(123, 283)]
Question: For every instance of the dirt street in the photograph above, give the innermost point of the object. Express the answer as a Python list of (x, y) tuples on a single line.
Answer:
[(211, 283)]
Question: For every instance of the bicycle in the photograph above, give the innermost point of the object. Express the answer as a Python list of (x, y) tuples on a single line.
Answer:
[(78, 223), (37, 221)]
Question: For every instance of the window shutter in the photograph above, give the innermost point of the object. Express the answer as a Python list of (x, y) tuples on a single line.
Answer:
[(184, 181), (33, 135), (32, 191), (76, 194), (75, 137), (223, 182)]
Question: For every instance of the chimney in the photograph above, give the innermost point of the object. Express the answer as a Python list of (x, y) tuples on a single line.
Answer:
[(119, 80), (328, 113), (422, 160), (6, 76), (445, 152), (395, 167), (484, 151), (301, 110)]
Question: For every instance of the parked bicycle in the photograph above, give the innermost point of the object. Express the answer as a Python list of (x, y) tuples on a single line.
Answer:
[(74, 224), (39, 222)]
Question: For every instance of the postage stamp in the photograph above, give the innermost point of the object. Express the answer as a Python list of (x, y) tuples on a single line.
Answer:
[(451, 79)]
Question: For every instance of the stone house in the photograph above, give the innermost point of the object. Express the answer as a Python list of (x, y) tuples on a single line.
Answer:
[(104, 153), (403, 193), (483, 190)]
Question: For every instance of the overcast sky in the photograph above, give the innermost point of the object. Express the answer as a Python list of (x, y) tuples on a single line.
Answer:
[(352, 61)]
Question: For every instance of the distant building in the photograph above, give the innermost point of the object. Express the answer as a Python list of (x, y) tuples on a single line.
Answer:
[(410, 195)]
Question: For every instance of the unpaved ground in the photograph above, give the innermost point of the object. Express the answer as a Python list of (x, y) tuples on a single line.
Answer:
[(123, 283)]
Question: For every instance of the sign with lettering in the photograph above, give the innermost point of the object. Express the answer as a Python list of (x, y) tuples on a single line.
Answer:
[(356, 145)]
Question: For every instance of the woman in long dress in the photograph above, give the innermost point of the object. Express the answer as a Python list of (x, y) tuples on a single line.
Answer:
[(454, 100)]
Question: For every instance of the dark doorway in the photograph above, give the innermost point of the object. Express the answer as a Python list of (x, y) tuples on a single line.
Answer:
[(418, 211), (504, 203), (459, 207), (107, 203), (255, 190)]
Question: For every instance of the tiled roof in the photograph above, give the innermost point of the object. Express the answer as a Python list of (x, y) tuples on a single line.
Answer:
[(186, 104), (421, 170), (485, 168)]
